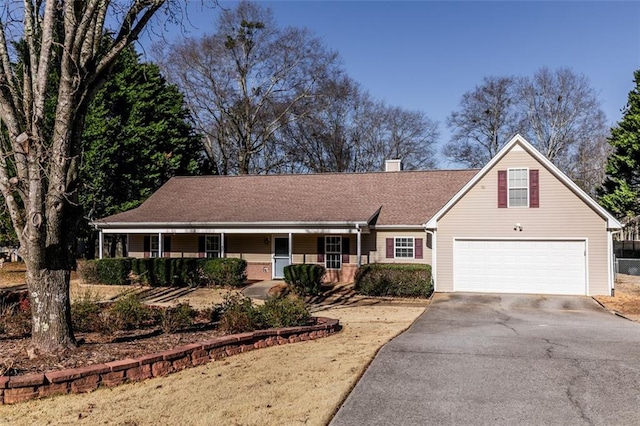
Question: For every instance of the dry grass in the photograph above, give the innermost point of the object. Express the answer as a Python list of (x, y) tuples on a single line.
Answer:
[(627, 297), (303, 383)]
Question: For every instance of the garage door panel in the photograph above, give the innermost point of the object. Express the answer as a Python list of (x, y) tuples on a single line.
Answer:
[(524, 266)]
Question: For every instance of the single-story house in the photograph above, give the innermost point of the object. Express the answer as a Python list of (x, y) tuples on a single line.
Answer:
[(517, 225)]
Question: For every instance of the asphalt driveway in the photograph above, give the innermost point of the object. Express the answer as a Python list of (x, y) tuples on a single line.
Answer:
[(504, 359)]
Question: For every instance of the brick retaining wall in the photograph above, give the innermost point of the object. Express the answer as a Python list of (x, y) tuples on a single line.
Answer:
[(86, 379)]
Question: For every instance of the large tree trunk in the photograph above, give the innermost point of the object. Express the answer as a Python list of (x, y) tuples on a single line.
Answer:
[(50, 308)]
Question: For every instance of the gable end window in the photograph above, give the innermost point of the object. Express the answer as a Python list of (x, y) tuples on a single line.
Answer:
[(518, 187), (518, 181)]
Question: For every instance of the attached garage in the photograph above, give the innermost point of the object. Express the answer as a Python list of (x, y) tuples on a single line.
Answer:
[(520, 266)]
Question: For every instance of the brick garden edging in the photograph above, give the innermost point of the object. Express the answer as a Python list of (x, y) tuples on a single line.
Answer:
[(15, 389)]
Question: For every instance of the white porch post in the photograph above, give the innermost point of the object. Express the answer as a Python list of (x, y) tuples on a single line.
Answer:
[(359, 246), (160, 245), (290, 248), (100, 244), (222, 248)]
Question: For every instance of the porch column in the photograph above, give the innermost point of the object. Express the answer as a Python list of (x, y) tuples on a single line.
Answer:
[(100, 244), (290, 248), (222, 248), (160, 245), (359, 246)]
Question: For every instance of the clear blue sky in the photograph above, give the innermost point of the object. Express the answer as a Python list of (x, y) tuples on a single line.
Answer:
[(423, 55)]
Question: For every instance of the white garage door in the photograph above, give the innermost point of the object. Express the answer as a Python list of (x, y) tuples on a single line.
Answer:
[(507, 266)]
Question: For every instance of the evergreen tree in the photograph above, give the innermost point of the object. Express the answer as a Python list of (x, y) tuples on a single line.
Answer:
[(620, 191), (136, 137)]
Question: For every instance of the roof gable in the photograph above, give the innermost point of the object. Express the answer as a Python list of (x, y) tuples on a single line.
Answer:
[(519, 143)]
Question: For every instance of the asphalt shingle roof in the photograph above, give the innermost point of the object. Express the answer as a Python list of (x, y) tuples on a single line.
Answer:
[(404, 198)]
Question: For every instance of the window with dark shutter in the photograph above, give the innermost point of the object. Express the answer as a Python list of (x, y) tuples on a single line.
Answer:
[(345, 249), (166, 246), (147, 246), (418, 248), (534, 189), (429, 240), (502, 189), (320, 250), (201, 246), (390, 248)]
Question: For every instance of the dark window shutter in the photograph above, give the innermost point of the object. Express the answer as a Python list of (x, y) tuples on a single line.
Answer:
[(320, 250), (166, 247), (391, 245), (502, 188), (345, 249), (534, 189), (430, 240), (201, 246), (418, 248), (147, 246)]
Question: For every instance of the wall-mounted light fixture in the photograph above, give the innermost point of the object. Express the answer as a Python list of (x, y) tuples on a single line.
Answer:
[(517, 227), (267, 240)]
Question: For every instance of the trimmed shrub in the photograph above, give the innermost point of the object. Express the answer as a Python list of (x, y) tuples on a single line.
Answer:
[(113, 271), (285, 312), (395, 280), (225, 271), (305, 279), (88, 271)]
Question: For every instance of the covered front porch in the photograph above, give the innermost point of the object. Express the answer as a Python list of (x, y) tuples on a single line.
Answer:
[(267, 251)]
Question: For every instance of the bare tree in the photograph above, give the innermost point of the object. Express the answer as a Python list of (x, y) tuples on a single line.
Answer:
[(243, 83), (487, 118), (348, 131), (562, 112), (39, 160)]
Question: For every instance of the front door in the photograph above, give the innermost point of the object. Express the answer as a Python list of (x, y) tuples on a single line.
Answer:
[(280, 256)]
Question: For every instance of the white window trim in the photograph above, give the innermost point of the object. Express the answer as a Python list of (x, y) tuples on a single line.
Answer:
[(154, 252), (327, 252), (413, 248), (509, 188), (207, 251)]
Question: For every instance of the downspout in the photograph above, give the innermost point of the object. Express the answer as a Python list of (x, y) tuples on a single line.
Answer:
[(612, 275), (434, 257), (358, 245)]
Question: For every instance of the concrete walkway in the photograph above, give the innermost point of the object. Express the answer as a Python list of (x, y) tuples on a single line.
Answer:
[(260, 289)]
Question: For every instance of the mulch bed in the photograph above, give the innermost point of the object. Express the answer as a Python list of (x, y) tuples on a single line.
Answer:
[(94, 348)]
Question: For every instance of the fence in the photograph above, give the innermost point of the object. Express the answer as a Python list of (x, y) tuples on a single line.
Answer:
[(628, 266)]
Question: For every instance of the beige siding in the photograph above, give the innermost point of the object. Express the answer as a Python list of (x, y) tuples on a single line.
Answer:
[(380, 252), (250, 247), (561, 215)]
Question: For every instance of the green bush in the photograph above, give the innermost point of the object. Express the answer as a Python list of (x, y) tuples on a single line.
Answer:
[(85, 313), (284, 312), (177, 318), (129, 313), (304, 279), (226, 271), (111, 271), (239, 315), (88, 271), (165, 272), (396, 280)]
